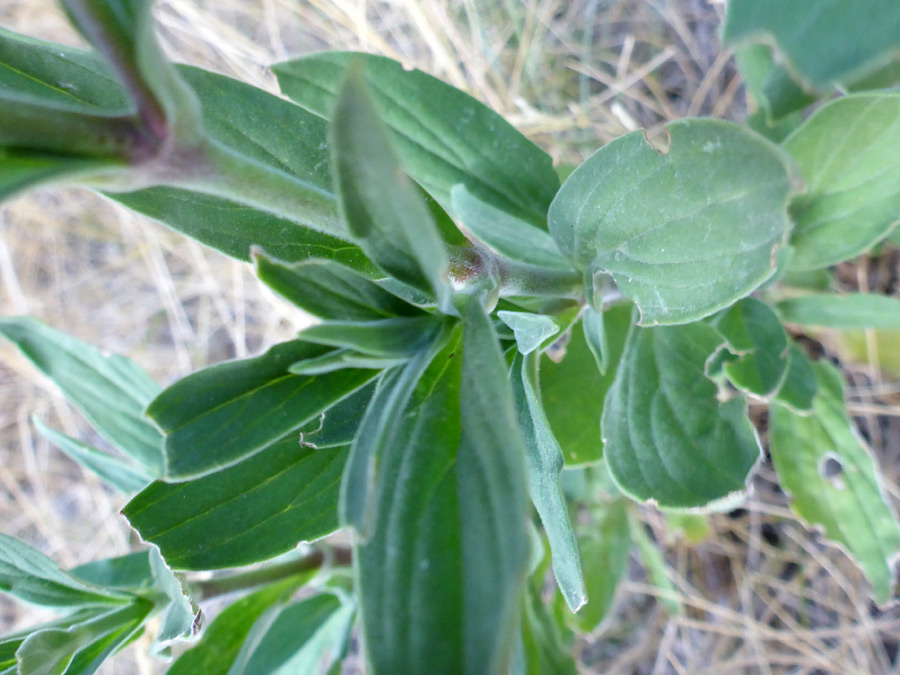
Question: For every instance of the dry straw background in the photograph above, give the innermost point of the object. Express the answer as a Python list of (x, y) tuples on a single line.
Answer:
[(760, 595)]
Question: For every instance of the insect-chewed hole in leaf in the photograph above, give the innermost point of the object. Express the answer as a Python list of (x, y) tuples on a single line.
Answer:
[(831, 468)]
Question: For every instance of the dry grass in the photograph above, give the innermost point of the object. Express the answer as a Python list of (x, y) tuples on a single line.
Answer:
[(761, 594)]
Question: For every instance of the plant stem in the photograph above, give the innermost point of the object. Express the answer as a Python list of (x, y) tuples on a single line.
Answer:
[(245, 580)]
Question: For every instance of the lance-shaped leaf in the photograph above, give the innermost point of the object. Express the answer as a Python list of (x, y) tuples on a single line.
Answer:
[(223, 639), (758, 339), (855, 310), (252, 511), (572, 390), (444, 137), (19, 171), (450, 532), (823, 44), (530, 330), (592, 323), (340, 359), (217, 416), (83, 646), (799, 388), (848, 153), (386, 338), (667, 436), (683, 233), (834, 480), (111, 470), (543, 462), (33, 577), (504, 234), (110, 390), (330, 291), (306, 637), (381, 206)]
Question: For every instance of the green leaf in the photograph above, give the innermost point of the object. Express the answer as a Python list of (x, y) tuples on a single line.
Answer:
[(128, 572), (799, 388), (257, 509), (220, 415), (595, 337), (123, 476), (543, 463), (443, 136), (340, 359), (772, 87), (573, 390), (834, 480), (177, 619), (544, 648), (848, 153), (655, 566), (854, 310), (530, 330), (339, 424), (84, 646), (33, 577), (19, 171), (110, 390), (222, 640), (451, 530), (384, 338), (604, 546), (757, 337), (331, 291), (683, 233), (304, 637), (504, 234), (667, 436), (825, 44), (380, 204)]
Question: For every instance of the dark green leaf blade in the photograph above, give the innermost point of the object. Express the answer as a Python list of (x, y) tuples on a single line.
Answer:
[(330, 291), (667, 436), (444, 137), (380, 204), (685, 233), (543, 462), (848, 153), (217, 416), (799, 388), (252, 511), (123, 476), (835, 482), (385, 338), (845, 312), (110, 390), (19, 171)]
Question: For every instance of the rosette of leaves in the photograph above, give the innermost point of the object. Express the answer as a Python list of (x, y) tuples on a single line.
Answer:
[(480, 328)]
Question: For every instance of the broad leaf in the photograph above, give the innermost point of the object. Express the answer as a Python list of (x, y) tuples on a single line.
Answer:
[(758, 339), (605, 546), (824, 44), (339, 424), (385, 338), (110, 390), (683, 233), (252, 511), (305, 637), (111, 470), (223, 639), (774, 90), (31, 576), (834, 480), (530, 330), (380, 204), (799, 388), (848, 153), (218, 416), (450, 530), (330, 291), (855, 310), (573, 390), (543, 463), (132, 571), (504, 234), (667, 436), (443, 136)]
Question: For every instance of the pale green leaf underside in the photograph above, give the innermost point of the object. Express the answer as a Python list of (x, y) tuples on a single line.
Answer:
[(826, 42), (443, 136), (530, 330), (856, 310), (848, 154), (834, 480), (684, 233), (667, 437)]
